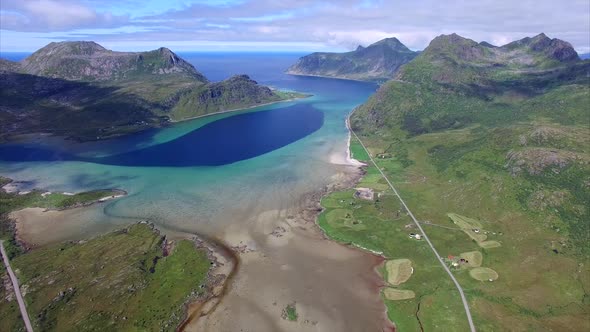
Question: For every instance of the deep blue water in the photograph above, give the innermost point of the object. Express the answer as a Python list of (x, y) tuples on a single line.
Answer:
[(14, 56), (225, 141)]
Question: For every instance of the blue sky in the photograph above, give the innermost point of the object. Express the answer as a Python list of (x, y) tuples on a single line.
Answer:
[(284, 25)]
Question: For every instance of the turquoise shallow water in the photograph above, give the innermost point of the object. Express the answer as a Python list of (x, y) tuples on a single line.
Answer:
[(207, 198)]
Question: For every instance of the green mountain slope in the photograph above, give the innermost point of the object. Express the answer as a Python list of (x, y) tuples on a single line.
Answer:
[(86, 92), (90, 61), (499, 135), (377, 62)]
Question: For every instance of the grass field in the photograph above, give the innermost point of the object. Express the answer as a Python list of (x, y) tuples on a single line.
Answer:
[(474, 258), (393, 294), (398, 271), (472, 228), (483, 274), (118, 281)]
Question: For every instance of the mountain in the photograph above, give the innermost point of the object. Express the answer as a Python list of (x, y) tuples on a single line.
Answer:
[(499, 136), (84, 91), (376, 62), (585, 56), (91, 62)]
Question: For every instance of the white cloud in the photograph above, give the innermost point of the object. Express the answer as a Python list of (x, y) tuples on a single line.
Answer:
[(334, 23), (54, 15)]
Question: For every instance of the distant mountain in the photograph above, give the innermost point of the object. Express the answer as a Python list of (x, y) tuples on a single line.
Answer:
[(90, 61), (376, 62), (84, 91), (585, 56), (454, 59)]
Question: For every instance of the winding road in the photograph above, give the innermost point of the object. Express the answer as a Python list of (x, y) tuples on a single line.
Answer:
[(463, 298), (19, 296)]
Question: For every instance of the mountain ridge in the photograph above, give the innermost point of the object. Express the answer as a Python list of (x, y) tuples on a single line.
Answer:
[(89, 61), (376, 62)]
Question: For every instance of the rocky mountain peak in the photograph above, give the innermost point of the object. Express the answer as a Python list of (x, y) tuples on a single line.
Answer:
[(378, 61), (70, 48), (454, 46), (392, 43), (555, 49)]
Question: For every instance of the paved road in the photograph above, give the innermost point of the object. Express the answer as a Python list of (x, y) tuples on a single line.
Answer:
[(19, 296), (463, 298)]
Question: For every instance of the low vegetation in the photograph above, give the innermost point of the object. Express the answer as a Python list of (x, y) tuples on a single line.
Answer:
[(290, 312), (483, 274), (398, 271), (122, 280), (393, 294)]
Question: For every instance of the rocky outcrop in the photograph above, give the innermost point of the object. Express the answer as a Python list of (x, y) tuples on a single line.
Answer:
[(556, 49), (535, 161)]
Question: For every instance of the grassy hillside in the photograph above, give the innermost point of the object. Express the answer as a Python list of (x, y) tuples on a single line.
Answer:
[(498, 136)]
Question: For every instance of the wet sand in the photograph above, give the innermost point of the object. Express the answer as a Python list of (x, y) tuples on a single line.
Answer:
[(39, 226), (283, 258)]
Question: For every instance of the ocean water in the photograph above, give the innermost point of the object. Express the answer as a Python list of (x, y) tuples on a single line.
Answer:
[(197, 175)]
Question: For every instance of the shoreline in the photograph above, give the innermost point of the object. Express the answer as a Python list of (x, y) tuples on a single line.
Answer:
[(378, 82), (349, 156), (238, 109), (225, 264), (302, 221), (380, 259)]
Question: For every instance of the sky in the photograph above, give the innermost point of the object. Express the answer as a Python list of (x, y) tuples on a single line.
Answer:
[(284, 25)]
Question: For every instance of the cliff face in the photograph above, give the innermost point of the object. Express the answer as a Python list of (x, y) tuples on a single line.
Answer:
[(377, 62), (86, 92)]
